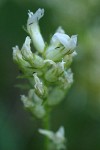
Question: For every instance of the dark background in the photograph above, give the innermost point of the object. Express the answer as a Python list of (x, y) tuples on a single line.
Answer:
[(79, 113)]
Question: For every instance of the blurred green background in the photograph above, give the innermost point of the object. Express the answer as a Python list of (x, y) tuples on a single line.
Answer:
[(80, 111)]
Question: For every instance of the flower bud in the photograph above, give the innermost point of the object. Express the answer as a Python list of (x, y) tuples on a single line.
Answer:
[(66, 80), (39, 111), (60, 67), (34, 60), (51, 74), (40, 89), (34, 104), (17, 57), (37, 61), (26, 49), (56, 96), (27, 102)]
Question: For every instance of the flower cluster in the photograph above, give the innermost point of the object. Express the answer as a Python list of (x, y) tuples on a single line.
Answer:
[(47, 68)]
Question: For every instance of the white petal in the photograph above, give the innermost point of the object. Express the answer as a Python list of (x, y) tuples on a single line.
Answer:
[(73, 42), (61, 66), (47, 133), (69, 76), (60, 132), (34, 30), (74, 54), (65, 40), (34, 17), (15, 50), (62, 38), (60, 30), (26, 45), (16, 53)]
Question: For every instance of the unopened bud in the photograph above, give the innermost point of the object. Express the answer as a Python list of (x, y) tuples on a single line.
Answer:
[(40, 89)]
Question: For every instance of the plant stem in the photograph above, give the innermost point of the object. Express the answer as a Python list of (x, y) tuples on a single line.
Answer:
[(46, 125)]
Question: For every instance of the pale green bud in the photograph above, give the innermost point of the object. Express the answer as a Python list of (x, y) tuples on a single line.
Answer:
[(37, 61), (66, 79), (56, 69), (58, 138), (27, 102), (39, 111), (37, 99), (33, 103), (34, 30), (51, 74), (69, 58), (17, 57), (15, 51), (34, 60), (69, 76), (56, 96), (60, 67), (40, 89), (26, 49), (32, 95)]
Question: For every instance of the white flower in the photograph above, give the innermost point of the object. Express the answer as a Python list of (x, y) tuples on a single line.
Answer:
[(57, 138), (66, 41), (34, 31), (60, 45)]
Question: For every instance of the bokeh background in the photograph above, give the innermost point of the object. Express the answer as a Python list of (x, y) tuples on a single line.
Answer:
[(79, 113)]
